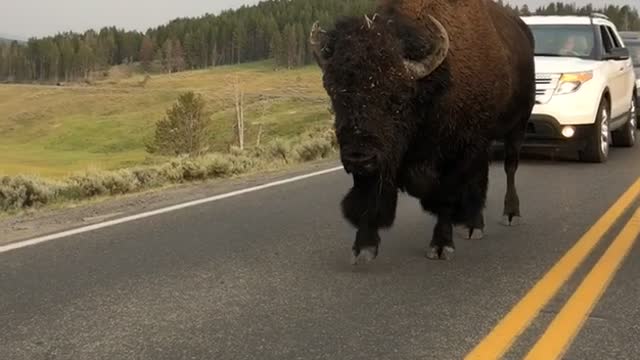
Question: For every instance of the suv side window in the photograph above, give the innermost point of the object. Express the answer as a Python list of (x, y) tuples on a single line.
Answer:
[(607, 42), (616, 42)]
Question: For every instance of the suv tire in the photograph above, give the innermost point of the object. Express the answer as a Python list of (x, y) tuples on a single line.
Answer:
[(626, 135), (597, 147)]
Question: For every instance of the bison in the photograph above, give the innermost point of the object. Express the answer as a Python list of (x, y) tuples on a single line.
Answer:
[(420, 91)]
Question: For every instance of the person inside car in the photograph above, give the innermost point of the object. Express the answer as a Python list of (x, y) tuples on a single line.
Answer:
[(575, 45)]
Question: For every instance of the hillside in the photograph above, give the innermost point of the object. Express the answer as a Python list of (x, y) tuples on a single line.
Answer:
[(51, 130), (272, 29)]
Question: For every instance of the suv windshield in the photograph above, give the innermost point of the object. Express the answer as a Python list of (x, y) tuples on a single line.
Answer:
[(564, 40)]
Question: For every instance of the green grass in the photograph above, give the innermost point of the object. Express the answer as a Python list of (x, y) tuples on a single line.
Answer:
[(20, 192), (56, 131)]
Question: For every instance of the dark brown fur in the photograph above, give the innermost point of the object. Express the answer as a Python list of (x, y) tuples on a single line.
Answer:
[(429, 137)]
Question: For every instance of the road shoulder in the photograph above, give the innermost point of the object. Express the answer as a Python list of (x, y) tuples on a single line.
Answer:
[(54, 219)]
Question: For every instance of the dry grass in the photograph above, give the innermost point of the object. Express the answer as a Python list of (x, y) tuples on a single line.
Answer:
[(28, 192), (54, 132)]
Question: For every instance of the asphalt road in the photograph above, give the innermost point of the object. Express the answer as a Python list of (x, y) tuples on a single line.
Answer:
[(266, 275)]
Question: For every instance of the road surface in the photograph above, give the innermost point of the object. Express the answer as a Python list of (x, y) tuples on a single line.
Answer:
[(266, 275)]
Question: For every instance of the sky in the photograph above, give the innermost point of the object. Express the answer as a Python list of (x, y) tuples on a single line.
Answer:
[(596, 3), (26, 18), (21, 19)]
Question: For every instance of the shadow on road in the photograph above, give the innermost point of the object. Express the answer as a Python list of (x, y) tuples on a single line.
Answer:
[(541, 157)]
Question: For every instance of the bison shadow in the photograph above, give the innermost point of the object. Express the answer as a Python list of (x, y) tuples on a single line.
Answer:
[(546, 156)]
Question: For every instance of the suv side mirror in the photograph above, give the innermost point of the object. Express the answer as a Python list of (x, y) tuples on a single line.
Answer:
[(619, 53)]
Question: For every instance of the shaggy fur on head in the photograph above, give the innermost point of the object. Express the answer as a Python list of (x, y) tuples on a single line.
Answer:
[(429, 136), (371, 89)]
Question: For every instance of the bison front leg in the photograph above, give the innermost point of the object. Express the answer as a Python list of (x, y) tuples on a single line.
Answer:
[(442, 246), (471, 202), (369, 206), (459, 199), (473, 229)]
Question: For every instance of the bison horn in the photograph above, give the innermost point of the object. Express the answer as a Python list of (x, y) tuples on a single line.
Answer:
[(424, 67), (317, 40), (369, 22)]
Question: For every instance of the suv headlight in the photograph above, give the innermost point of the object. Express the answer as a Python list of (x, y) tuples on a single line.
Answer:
[(571, 82)]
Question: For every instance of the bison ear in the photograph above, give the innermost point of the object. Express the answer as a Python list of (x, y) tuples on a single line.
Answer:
[(319, 40)]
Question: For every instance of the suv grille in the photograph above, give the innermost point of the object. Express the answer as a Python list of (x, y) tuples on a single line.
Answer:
[(545, 86)]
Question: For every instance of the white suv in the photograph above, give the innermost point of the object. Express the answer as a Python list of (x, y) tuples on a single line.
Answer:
[(585, 86)]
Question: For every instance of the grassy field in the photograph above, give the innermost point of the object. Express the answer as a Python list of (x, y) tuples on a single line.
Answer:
[(54, 131)]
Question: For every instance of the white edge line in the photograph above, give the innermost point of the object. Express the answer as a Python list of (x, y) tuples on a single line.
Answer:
[(84, 229)]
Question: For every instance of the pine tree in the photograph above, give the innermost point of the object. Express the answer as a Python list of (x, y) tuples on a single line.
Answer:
[(67, 56), (85, 60), (183, 131), (167, 56), (291, 45), (277, 47), (177, 56), (239, 42), (146, 53)]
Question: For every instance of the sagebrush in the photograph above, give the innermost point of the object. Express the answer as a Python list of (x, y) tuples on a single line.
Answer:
[(25, 192)]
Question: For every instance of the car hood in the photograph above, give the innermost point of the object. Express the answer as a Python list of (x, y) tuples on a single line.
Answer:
[(557, 65)]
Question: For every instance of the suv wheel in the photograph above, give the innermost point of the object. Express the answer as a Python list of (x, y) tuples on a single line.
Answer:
[(597, 147), (626, 135)]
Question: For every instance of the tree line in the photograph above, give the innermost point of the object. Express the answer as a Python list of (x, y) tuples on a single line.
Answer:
[(626, 18), (273, 29)]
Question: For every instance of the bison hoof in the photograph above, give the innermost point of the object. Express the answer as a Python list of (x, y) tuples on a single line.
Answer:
[(469, 233), (440, 253), (365, 256), (475, 234), (511, 220)]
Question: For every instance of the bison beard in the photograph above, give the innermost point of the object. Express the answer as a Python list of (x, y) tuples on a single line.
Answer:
[(420, 91)]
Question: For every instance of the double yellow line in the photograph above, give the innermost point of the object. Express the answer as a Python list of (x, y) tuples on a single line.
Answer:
[(561, 332)]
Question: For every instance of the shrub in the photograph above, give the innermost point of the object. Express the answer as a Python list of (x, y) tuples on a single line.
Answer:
[(22, 192), (25, 192), (259, 152), (148, 176), (241, 164), (183, 130), (193, 169), (172, 171), (314, 149), (279, 149), (98, 183), (236, 151), (217, 165)]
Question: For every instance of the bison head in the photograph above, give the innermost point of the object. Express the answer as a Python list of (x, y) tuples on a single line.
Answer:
[(371, 68)]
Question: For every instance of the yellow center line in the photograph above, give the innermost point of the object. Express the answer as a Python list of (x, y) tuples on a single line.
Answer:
[(500, 339), (563, 329)]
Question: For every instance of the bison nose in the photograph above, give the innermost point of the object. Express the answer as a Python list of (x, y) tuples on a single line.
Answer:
[(357, 156), (358, 161)]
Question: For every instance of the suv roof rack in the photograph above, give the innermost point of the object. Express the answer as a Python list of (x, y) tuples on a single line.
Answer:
[(599, 15)]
